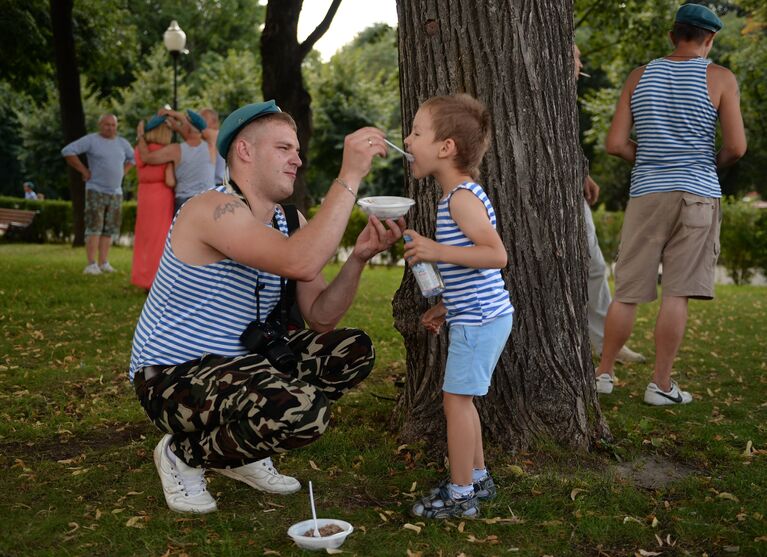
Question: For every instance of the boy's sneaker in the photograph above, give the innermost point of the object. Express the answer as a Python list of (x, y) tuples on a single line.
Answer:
[(657, 397), (107, 268), (605, 383), (485, 489), (441, 505), (92, 269), (184, 487), (627, 356), (263, 476)]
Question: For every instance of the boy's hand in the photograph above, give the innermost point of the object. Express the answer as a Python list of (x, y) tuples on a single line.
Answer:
[(420, 248), (433, 318)]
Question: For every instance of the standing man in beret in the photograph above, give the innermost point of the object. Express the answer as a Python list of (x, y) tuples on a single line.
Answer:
[(212, 370), (109, 158), (194, 159), (673, 215), (211, 119)]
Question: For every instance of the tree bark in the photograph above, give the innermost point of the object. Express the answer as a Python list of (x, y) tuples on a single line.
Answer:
[(70, 103), (515, 56), (281, 58)]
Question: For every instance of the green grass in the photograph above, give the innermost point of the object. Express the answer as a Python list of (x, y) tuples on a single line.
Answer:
[(78, 479)]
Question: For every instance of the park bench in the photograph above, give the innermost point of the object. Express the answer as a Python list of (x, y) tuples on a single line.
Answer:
[(15, 219)]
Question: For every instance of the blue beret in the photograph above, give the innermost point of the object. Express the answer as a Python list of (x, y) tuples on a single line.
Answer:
[(196, 120), (239, 119), (698, 16), (154, 121)]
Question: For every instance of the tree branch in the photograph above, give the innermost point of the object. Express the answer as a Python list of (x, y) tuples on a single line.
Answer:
[(305, 47), (586, 13)]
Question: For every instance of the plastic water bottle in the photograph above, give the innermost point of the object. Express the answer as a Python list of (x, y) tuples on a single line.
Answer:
[(427, 276)]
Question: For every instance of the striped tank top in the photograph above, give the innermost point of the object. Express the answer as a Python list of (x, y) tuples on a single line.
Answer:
[(675, 125), (471, 296), (197, 309)]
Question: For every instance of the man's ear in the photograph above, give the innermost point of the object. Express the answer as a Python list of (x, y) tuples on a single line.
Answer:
[(242, 149), (448, 149)]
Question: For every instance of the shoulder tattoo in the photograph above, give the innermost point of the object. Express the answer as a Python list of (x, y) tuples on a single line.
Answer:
[(228, 207)]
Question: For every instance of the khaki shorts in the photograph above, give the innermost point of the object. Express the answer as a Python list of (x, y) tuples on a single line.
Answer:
[(103, 213), (679, 230)]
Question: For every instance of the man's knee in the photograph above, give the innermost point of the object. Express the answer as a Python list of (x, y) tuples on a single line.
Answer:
[(310, 419)]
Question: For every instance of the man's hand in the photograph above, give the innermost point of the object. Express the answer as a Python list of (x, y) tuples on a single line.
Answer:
[(376, 238), (140, 130), (590, 190), (433, 318), (359, 149), (86, 174), (420, 248)]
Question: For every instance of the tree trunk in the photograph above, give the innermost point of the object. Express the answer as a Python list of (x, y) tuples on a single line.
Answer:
[(281, 58), (515, 56), (70, 103)]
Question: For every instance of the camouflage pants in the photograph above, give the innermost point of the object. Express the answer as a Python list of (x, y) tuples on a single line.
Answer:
[(229, 411)]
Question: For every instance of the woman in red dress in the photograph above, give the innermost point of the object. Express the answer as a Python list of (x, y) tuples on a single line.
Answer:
[(154, 211)]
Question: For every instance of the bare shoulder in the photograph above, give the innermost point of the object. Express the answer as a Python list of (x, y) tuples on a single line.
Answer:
[(635, 75), (219, 205), (721, 74)]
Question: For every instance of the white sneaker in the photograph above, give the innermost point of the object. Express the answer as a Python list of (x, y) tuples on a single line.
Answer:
[(184, 487), (263, 476), (628, 356), (107, 268), (655, 396), (92, 269), (605, 383)]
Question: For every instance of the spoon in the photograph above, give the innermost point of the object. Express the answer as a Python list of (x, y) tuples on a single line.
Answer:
[(314, 513), (408, 156)]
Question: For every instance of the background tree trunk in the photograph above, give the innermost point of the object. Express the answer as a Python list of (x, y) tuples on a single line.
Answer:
[(516, 56), (70, 103), (281, 58)]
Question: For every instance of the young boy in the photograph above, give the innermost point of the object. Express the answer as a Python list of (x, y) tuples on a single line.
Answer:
[(449, 138)]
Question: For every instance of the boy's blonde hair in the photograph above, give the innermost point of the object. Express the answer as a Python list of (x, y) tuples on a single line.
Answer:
[(466, 121), (162, 134)]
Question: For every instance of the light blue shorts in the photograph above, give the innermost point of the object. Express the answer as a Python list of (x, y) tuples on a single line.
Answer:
[(472, 355)]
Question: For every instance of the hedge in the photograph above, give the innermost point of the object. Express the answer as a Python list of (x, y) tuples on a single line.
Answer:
[(743, 236)]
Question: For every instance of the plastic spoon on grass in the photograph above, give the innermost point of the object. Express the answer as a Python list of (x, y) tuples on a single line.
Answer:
[(314, 513)]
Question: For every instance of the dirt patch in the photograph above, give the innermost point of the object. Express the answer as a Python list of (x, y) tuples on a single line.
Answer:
[(652, 472), (68, 446)]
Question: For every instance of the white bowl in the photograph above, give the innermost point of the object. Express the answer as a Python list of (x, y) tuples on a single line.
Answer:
[(386, 206), (298, 530)]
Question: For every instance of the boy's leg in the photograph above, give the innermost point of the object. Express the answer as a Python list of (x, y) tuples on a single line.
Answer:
[(479, 451), (334, 361), (461, 436), (227, 412)]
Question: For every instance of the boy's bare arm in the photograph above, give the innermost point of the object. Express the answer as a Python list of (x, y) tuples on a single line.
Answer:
[(730, 119), (618, 141)]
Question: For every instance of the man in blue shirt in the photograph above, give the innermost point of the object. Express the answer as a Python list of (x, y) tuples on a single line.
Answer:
[(109, 158)]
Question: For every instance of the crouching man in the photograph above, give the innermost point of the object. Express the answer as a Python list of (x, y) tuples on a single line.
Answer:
[(227, 259)]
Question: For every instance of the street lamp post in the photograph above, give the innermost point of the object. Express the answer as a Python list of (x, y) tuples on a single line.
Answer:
[(175, 40)]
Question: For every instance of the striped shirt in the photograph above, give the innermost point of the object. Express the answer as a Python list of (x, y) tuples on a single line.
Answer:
[(471, 296), (675, 126), (197, 309)]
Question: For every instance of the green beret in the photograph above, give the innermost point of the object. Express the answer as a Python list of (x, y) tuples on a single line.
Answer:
[(239, 119), (154, 121), (196, 120), (698, 16)]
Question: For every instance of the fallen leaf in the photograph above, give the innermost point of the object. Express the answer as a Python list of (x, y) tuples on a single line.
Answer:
[(271, 552), (574, 493), (461, 526), (412, 487), (413, 527), (383, 517), (135, 522), (631, 519), (314, 466), (728, 496), (731, 548), (644, 553), (749, 449), (135, 493), (516, 470), (655, 522), (414, 553), (74, 527), (333, 550)]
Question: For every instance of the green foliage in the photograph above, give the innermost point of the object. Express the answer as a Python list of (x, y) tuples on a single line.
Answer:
[(10, 104), (608, 225), (741, 250), (358, 87), (226, 82)]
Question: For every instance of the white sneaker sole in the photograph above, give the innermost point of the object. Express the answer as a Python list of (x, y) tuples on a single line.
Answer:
[(278, 489)]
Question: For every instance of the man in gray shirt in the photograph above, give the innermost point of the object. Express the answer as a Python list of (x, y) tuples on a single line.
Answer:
[(109, 158), (194, 159)]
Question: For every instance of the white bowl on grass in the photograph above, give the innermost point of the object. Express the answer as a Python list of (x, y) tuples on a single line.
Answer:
[(298, 530), (386, 206)]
